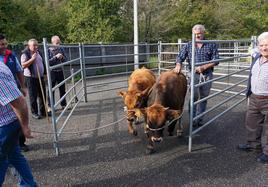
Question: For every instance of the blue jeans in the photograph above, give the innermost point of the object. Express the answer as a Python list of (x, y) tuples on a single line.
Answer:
[(200, 93), (10, 154)]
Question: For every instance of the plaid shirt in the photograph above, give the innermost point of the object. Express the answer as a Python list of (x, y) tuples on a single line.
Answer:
[(8, 93), (208, 51)]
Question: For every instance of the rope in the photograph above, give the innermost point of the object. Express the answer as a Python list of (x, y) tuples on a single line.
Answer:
[(166, 125), (80, 132), (202, 78)]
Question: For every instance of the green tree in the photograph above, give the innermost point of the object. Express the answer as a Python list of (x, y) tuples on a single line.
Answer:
[(93, 20), (13, 22), (21, 21)]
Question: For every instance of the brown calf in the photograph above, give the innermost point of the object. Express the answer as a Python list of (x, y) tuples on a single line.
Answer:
[(139, 84), (165, 103)]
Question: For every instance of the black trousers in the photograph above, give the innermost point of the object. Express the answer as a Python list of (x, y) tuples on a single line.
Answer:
[(34, 90), (56, 78)]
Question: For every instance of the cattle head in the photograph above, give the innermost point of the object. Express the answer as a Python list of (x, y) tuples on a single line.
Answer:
[(156, 117), (133, 100)]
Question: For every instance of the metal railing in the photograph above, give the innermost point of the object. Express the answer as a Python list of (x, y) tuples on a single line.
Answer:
[(98, 69)]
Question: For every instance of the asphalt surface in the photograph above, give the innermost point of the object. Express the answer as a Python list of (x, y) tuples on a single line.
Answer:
[(111, 157)]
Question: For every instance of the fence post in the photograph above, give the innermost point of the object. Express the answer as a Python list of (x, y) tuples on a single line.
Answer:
[(179, 49), (82, 66), (192, 92), (74, 89), (253, 46), (159, 56), (53, 116), (236, 51), (147, 51), (179, 44), (103, 53)]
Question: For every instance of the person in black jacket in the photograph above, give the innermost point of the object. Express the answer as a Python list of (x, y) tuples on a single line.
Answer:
[(56, 55)]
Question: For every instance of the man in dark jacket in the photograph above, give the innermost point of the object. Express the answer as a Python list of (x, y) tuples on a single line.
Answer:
[(56, 56)]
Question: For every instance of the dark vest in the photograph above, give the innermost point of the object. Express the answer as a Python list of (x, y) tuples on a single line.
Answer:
[(28, 55), (248, 93)]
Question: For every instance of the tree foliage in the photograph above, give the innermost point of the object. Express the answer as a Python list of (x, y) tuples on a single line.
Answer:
[(94, 21)]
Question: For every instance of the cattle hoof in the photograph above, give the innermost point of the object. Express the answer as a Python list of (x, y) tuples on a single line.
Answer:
[(170, 133), (179, 134), (135, 133), (150, 150)]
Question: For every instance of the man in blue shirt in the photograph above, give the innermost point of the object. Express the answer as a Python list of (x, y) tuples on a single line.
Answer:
[(13, 117), (203, 52)]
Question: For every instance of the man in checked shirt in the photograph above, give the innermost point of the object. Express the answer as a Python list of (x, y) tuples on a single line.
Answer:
[(13, 117), (203, 52)]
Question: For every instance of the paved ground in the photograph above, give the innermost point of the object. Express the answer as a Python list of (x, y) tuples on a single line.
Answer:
[(112, 157)]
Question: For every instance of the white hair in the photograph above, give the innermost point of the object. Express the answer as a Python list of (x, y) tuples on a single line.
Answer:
[(199, 27), (55, 37), (262, 36), (32, 40)]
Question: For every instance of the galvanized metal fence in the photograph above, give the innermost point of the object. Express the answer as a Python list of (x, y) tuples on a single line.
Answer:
[(229, 82), (98, 69)]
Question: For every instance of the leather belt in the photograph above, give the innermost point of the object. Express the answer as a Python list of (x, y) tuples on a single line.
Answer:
[(260, 96)]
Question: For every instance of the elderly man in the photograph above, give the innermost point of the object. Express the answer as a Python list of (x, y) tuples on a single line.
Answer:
[(257, 109), (34, 70), (56, 55), (203, 52), (13, 117)]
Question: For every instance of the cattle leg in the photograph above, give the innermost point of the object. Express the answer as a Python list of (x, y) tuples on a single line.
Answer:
[(171, 128), (180, 129), (131, 130), (150, 148)]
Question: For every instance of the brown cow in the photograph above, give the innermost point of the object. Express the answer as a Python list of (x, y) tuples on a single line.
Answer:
[(165, 103), (139, 83)]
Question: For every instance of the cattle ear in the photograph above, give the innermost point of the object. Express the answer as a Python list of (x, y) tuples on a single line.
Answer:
[(122, 93), (173, 114)]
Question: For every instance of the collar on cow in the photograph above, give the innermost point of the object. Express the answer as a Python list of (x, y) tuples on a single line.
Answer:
[(166, 125)]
